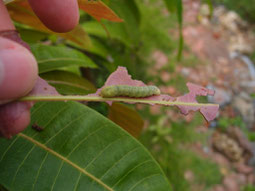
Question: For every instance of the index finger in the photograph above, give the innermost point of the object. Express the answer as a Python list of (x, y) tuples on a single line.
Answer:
[(57, 15)]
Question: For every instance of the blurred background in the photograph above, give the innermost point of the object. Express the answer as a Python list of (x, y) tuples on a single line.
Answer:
[(218, 53)]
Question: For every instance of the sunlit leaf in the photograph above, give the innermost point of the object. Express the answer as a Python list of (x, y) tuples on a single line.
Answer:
[(116, 31), (30, 35), (127, 118), (50, 58), (78, 149), (68, 83), (21, 12), (99, 10)]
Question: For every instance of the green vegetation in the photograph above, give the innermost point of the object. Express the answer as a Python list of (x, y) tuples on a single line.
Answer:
[(246, 8)]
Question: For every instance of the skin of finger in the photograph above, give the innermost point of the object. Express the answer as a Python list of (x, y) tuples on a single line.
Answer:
[(57, 15), (5, 20), (14, 118), (18, 70)]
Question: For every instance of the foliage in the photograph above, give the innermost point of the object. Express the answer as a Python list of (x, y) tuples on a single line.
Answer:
[(224, 123), (246, 8), (249, 188), (77, 144), (171, 147), (77, 149)]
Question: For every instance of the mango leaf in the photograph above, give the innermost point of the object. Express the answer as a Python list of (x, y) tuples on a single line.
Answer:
[(127, 118), (50, 58), (176, 5), (99, 10), (78, 149), (68, 83), (116, 31), (130, 14), (179, 16), (21, 12), (30, 35), (96, 47), (171, 5), (185, 103), (126, 32)]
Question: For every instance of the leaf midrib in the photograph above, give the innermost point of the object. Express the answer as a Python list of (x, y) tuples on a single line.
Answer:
[(65, 160), (59, 59)]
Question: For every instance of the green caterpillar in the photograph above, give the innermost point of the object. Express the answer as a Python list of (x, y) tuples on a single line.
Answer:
[(129, 91)]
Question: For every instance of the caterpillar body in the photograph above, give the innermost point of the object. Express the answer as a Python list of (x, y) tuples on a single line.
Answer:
[(129, 91)]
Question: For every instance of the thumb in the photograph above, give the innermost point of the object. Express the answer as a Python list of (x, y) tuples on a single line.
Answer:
[(18, 70)]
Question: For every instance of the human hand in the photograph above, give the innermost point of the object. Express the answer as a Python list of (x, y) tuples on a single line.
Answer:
[(18, 67)]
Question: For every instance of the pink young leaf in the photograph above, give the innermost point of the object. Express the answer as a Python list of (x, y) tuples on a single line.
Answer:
[(185, 103), (42, 88), (208, 111), (121, 77)]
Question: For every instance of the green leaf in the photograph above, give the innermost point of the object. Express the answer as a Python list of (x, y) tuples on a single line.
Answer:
[(78, 149), (50, 58), (96, 47), (130, 17), (30, 35), (68, 83), (179, 16), (127, 32), (173, 5), (116, 30)]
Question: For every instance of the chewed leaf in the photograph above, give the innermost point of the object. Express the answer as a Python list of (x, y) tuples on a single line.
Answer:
[(120, 77), (209, 111), (185, 103)]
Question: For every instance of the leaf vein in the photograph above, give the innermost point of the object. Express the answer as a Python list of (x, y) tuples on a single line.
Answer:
[(85, 138), (144, 162), (77, 182), (132, 188), (59, 59), (39, 170), (22, 162), (114, 164), (55, 180), (80, 116), (8, 148), (43, 146), (101, 152)]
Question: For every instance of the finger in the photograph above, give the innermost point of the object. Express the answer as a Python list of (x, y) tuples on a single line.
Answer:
[(57, 15), (18, 70), (14, 118), (5, 20)]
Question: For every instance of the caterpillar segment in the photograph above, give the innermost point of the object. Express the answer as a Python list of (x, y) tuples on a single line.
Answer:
[(129, 91)]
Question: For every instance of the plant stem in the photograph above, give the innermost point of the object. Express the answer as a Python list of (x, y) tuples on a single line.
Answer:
[(101, 99)]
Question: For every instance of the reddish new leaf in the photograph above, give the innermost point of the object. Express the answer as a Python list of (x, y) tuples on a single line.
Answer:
[(21, 12), (99, 10), (209, 112), (42, 88), (185, 103), (121, 77)]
